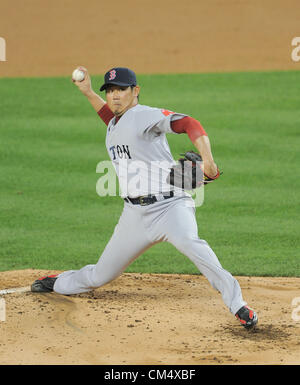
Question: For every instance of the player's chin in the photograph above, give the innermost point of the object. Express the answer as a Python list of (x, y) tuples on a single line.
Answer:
[(118, 111)]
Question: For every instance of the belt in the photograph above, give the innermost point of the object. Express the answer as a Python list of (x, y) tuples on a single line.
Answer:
[(147, 199)]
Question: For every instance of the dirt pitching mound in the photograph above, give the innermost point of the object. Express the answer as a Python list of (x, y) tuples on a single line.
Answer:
[(148, 319)]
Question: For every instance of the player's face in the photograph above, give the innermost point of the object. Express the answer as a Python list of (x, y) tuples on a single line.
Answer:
[(120, 99)]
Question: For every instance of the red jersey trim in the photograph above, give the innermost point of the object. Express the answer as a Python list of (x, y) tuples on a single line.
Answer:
[(105, 114)]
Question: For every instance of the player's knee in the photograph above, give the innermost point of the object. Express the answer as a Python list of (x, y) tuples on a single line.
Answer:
[(98, 282)]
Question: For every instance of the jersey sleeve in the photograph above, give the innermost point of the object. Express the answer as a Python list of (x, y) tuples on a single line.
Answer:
[(154, 122)]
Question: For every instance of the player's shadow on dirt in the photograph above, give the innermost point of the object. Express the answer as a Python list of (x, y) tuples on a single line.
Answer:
[(116, 295), (261, 332)]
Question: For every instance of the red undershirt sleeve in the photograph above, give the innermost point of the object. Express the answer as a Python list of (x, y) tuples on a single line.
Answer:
[(105, 114), (188, 125)]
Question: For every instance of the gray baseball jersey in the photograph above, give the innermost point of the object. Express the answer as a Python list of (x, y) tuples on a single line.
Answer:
[(139, 150)]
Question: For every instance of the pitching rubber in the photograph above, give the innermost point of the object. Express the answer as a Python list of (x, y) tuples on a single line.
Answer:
[(15, 290)]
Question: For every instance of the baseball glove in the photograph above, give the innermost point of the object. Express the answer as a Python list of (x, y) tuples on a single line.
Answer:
[(188, 173)]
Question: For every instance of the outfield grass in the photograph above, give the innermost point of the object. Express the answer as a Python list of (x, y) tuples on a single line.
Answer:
[(52, 141)]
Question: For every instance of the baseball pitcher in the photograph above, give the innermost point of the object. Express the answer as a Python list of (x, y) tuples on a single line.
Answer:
[(158, 208)]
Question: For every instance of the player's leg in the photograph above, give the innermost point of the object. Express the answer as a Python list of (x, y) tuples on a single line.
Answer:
[(128, 241), (181, 230)]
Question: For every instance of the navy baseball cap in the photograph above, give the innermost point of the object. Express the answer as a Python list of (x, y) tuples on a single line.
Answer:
[(119, 76)]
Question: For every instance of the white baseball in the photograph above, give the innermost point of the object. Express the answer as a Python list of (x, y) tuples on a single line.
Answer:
[(78, 75)]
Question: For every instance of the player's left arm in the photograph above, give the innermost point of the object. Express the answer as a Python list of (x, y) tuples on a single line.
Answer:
[(201, 141), (202, 144)]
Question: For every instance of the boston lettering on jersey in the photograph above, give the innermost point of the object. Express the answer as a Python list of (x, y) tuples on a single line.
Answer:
[(122, 151)]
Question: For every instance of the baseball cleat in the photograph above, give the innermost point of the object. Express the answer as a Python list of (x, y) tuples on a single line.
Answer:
[(247, 317), (44, 284)]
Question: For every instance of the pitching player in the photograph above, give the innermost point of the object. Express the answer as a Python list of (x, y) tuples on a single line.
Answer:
[(152, 211)]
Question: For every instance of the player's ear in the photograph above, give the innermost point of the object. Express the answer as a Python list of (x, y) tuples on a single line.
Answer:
[(136, 90)]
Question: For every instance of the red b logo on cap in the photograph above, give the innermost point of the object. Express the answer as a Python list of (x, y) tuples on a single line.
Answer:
[(112, 74)]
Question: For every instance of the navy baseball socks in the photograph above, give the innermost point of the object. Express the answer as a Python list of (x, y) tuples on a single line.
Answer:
[(247, 317), (44, 284)]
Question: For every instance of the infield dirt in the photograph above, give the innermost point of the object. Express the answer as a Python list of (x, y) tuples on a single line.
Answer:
[(51, 38), (148, 318)]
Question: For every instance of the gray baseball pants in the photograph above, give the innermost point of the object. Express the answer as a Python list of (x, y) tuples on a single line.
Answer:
[(140, 227)]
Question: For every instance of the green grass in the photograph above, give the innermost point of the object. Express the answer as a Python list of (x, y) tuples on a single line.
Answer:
[(52, 141)]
